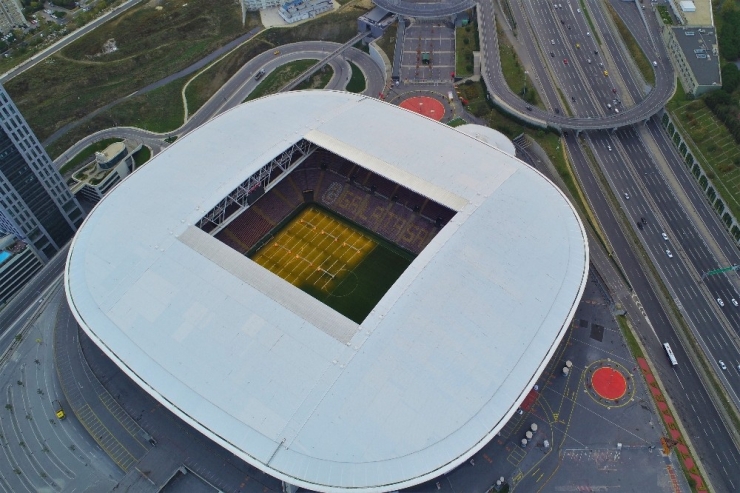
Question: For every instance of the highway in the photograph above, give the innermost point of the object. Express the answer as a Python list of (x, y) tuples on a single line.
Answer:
[(570, 28), (631, 169)]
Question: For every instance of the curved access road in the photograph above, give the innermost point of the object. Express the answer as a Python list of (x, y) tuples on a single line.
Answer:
[(656, 99), (236, 90)]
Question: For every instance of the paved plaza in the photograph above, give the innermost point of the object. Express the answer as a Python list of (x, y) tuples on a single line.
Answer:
[(438, 41)]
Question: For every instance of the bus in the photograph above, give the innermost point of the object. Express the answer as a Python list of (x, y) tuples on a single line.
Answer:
[(671, 356)]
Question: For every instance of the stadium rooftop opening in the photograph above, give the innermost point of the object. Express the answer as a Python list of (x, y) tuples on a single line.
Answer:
[(279, 378)]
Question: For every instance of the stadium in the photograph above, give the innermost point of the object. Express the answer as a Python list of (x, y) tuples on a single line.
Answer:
[(340, 292)]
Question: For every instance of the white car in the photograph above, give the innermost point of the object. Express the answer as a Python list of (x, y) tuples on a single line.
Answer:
[(665, 236), (668, 252), (578, 10), (733, 301), (626, 195), (720, 302), (609, 147), (588, 33), (722, 364)]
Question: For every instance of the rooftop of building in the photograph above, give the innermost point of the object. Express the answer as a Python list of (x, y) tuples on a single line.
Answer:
[(699, 46), (283, 381)]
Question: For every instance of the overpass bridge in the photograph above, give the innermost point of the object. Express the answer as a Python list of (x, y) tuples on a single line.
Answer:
[(665, 82)]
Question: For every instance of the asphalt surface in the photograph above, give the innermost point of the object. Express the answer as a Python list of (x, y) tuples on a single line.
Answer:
[(40, 452), (625, 166), (547, 20)]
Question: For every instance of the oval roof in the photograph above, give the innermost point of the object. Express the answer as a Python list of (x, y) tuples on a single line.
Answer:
[(433, 372)]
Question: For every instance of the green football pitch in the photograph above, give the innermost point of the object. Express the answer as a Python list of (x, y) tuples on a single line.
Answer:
[(334, 261)]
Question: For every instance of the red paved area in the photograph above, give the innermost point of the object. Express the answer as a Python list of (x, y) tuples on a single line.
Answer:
[(424, 105), (609, 383), (529, 400), (683, 451)]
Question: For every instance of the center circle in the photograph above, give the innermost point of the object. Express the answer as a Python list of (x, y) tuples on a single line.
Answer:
[(609, 383), (424, 105)]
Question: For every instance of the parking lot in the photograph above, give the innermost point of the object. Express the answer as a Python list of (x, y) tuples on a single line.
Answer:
[(428, 53)]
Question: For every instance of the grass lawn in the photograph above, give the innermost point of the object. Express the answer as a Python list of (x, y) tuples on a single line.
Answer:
[(338, 26), (85, 154), (590, 22), (642, 62), (456, 122), (718, 152), (466, 42), (142, 156), (387, 42), (327, 257), (665, 14), (319, 80), (357, 82), (151, 45), (276, 79), (513, 71)]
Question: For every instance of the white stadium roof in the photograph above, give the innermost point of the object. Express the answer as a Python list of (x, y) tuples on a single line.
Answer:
[(281, 380)]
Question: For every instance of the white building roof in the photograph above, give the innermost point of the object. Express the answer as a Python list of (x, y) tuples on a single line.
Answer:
[(430, 376)]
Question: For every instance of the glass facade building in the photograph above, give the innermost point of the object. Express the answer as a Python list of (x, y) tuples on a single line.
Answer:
[(35, 202)]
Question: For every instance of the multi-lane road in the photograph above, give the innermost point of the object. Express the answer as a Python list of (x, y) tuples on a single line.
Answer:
[(642, 168)]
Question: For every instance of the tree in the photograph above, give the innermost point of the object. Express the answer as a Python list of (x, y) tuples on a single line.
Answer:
[(729, 36), (730, 77)]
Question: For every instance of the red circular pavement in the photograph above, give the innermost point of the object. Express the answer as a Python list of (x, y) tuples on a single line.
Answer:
[(609, 383), (424, 105)]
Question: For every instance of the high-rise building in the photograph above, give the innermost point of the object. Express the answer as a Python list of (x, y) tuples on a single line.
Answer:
[(35, 203)]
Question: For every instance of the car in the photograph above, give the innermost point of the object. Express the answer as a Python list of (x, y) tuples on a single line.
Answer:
[(588, 33), (565, 61), (588, 60), (529, 108), (276, 52), (614, 89), (616, 110), (738, 367), (626, 195), (720, 302), (655, 64), (665, 236), (578, 45), (608, 105), (552, 41), (733, 301), (609, 147), (596, 52), (573, 98), (259, 74), (668, 252), (722, 364), (557, 111), (606, 73), (578, 10), (552, 54), (601, 64)]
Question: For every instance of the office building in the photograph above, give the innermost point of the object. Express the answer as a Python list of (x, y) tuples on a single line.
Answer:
[(35, 204)]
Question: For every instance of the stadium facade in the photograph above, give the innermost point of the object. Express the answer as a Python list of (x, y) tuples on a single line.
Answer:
[(416, 387)]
